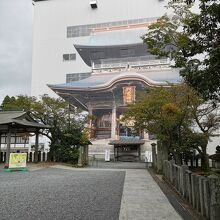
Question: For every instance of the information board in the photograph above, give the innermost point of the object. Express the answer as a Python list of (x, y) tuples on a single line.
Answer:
[(17, 160)]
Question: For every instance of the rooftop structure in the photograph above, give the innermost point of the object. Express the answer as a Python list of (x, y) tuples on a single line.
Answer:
[(113, 83), (94, 58), (58, 38)]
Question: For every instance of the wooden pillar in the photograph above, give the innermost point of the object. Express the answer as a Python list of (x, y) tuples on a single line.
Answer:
[(8, 148), (139, 152), (90, 123), (114, 123), (36, 146)]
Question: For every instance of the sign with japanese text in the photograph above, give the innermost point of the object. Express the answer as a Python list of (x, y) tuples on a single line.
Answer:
[(17, 160), (129, 94)]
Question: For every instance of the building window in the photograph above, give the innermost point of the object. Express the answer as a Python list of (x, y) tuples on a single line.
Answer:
[(69, 57), (97, 55), (76, 76), (125, 52), (86, 30), (15, 139)]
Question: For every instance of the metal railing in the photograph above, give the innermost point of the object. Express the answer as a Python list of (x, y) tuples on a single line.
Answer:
[(130, 62)]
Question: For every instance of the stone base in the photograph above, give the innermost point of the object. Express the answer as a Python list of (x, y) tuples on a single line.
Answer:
[(22, 169), (98, 148)]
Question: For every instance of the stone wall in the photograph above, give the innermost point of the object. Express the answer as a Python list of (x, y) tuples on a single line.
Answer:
[(203, 193)]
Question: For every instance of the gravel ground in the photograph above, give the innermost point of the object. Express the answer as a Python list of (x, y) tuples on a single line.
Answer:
[(61, 195)]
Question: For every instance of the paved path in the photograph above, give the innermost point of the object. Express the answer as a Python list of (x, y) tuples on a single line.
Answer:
[(84, 193), (142, 199)]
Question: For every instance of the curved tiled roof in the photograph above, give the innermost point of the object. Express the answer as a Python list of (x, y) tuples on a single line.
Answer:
[(129, 141), (20, 118), (99, 53), (160, 77)]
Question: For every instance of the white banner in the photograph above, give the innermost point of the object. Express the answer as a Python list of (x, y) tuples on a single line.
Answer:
[(107, 155)]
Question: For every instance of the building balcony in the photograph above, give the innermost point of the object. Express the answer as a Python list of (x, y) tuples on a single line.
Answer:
[(130, 62)]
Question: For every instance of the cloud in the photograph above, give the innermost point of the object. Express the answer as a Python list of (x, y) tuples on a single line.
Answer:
[(15, 47)]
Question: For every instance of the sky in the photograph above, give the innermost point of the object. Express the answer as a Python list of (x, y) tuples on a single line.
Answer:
[(16, 17)]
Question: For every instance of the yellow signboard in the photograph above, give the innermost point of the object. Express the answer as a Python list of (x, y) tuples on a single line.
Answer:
[(17, 160), (129, 94)]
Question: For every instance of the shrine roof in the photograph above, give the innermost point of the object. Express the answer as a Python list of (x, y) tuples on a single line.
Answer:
[(94, 53), (159, 77), (127, 141), (19, 118)]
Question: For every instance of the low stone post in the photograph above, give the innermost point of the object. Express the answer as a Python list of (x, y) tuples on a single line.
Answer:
[(183, 180), (172, 171), (214, 184), (188, 186), (197, 195), (193, 189), (206, 197), (80, 160), (201, 195), (159, 157)]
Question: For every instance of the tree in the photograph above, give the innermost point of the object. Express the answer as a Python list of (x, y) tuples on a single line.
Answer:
[(207, 121), (179, 117), (192, 41), (55, 112), (164, 112), (19, 103)]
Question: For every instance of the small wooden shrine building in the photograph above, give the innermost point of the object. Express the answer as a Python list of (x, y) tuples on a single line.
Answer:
[(18, 124)]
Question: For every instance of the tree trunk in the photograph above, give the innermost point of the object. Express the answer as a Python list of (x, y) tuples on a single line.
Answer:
[(204, 160)]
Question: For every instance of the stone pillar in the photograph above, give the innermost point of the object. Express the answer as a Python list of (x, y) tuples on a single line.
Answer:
[(159, 157), (114, 123), (206, 198), (189, 186), (214, 184), (36, 147), (81, 156), (8, 148), (201, 195), (184, 168)]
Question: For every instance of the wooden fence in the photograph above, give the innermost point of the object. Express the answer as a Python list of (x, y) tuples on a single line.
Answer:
[(42, 157), (203, 193)]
